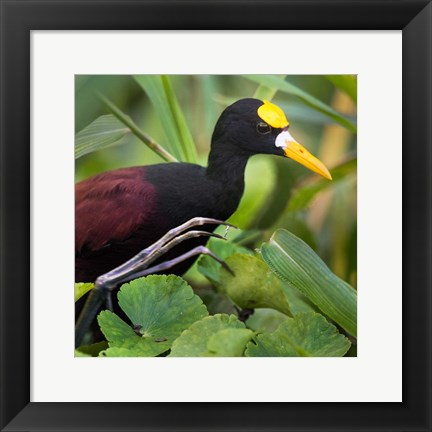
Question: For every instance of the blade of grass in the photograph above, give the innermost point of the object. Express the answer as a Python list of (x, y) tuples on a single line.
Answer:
[(146, 139), (186, 140), (273, 81), (153, 86), (208, 89), (265, 92)]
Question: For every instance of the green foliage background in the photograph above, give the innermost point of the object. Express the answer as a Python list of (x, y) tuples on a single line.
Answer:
[(280, 194)]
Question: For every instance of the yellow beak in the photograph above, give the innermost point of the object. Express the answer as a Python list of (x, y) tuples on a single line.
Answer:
[(297, 152)]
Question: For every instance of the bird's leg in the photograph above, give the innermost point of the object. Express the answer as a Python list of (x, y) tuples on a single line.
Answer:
[(199, 250), (138, 266), (95, 299), (151, 253)]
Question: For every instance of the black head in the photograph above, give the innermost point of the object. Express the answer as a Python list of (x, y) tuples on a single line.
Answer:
[(240, 126), (251, 126)]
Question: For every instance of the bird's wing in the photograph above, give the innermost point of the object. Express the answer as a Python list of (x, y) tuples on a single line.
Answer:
[(110, 207)]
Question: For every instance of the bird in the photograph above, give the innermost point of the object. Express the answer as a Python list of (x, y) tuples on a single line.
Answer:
[(120, 213)]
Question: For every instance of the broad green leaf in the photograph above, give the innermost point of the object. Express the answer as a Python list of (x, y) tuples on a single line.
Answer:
[(161, 304), (297, 264), (230, 342), (118, 352), (82, 288), (102, 133), (91, 350), (346, 83), (159, 307), (178, 137), (282, 85), (215, 301), (298, 302), (209, 267), (193, 342), (265, 320), (303, 195), (122, 335), (254, 285), (305, 335)]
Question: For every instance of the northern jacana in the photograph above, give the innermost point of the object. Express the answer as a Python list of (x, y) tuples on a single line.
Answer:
[(145, 214)]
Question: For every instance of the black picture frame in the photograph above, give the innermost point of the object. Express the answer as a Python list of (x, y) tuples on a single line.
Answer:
[(19, 18)]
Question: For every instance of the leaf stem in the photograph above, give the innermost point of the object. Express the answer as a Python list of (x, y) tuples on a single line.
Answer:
[(146, 139)]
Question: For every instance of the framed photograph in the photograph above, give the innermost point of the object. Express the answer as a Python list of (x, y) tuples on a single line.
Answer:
[(101, 94), (245, 167)]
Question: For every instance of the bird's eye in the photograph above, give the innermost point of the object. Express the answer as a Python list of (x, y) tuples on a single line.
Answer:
[(263, 128)]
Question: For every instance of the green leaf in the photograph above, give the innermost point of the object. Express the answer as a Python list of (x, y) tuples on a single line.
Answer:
[(178, 137), (297, 264), (274, 81), (253, 285), (194, 341), (346, 83), (159, 307), (121, 335), (102, 133), (215, 301), (91, 350), (298, 302), (229, 342), (209, 267), (303, 195), (305, 335), (265, 320), (81, 354), (82, 288), (118, 352)]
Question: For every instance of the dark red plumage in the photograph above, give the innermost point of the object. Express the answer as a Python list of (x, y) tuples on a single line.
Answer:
[(110, 208), (123, 193)]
